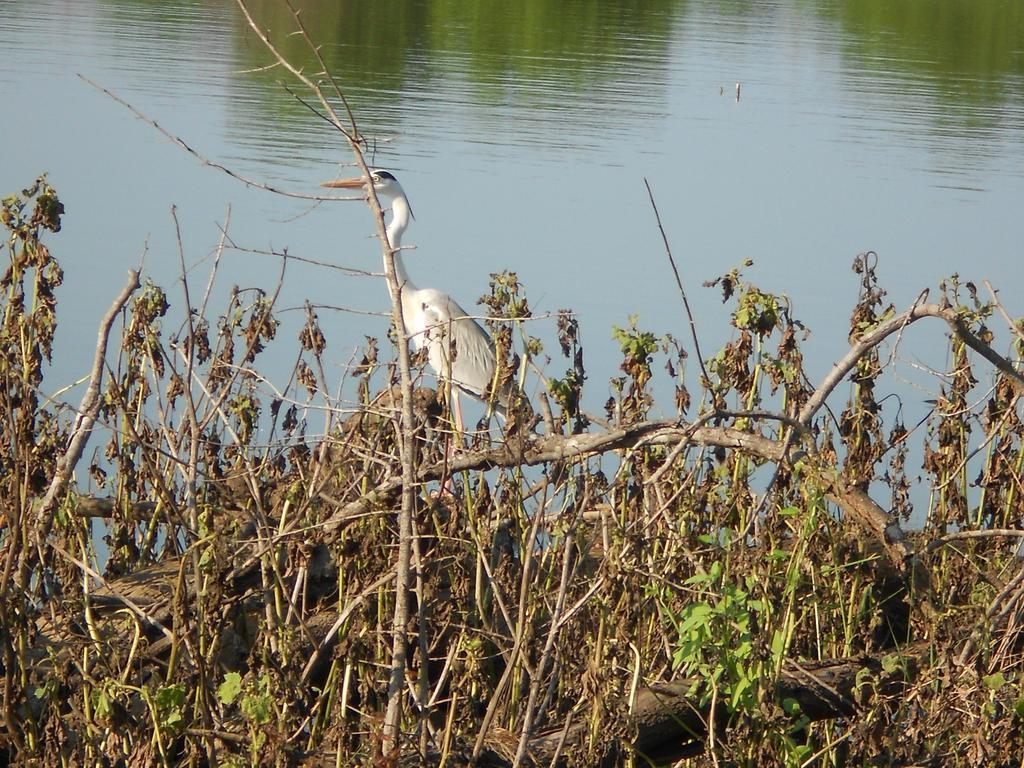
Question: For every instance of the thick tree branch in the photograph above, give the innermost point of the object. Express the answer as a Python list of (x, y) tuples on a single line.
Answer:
[(540, 449)]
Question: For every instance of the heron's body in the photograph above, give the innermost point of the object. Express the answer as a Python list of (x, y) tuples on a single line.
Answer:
[(451, 337), (458, 348)]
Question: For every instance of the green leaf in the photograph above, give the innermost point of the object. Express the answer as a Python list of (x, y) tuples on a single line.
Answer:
[(694, 617), (742, 686), (102, 706), (258, 707), (791, 707), (802, 752), (228, 691), (170, 696), (208, 560), (891, 663), (778, 644), (170, 700), (994, 681)]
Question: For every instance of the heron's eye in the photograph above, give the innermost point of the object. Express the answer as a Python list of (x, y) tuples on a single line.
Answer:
[(376, 177)]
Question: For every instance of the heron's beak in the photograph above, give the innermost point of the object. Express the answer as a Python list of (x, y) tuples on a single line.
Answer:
[(357, 183)]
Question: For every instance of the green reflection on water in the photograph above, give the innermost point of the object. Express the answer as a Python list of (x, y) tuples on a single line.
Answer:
[(968, 52), (387, 46), (961, 54)]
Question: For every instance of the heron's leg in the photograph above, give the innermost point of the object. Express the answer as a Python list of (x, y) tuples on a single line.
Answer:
[(460, 428), (459, 432)]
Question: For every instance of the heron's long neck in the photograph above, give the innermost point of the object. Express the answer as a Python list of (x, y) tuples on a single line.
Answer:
[(400, 214)]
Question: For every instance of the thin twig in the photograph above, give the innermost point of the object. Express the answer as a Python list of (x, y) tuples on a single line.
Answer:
[(568, 547), (1015, 327), (679, 282), (204, 159)]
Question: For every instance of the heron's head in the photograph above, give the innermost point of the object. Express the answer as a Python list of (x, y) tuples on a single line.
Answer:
[(384, 184)]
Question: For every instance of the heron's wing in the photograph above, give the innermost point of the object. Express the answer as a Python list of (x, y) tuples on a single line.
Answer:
[(458, 347)]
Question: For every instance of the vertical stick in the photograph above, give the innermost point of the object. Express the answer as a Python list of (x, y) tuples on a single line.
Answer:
[(407, 445)]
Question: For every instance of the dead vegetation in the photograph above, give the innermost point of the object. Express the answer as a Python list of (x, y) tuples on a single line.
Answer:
[(733, 586), (646, 592)]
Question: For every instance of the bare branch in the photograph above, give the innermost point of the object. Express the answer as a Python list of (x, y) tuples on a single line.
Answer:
[(87, 410), (883, 330), (1015, 327), (203, 158), (679, 282), (407, 445)]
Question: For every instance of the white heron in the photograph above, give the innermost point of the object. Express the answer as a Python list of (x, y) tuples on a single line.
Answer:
[(458, 349)]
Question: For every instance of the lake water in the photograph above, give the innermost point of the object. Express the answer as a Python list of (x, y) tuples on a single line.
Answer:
[(522, 133)]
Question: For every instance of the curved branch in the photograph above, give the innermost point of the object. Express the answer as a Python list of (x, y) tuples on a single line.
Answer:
[(87, 410), (883, 330)]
